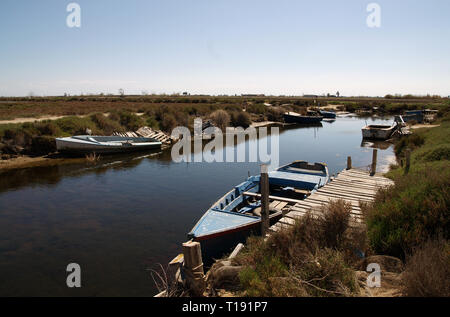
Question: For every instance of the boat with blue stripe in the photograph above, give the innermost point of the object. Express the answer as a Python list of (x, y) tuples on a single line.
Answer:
[(237, 215)]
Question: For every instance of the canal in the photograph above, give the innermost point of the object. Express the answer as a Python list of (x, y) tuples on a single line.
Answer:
[(122, 216)]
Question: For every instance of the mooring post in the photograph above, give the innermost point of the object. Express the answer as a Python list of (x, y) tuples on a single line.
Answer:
[(193, 268), (349, 162), (408, 160), (373, 169), (264, 187)]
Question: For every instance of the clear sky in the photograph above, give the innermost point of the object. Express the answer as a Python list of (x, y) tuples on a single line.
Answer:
[(280, 47)]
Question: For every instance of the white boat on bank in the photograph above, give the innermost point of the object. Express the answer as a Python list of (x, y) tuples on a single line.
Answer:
[(81, 144)]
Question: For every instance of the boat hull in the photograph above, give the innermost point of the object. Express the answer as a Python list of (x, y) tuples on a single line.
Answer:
[(377, 132), (74, 146), (328, 114), (289, 118), (216, 245)]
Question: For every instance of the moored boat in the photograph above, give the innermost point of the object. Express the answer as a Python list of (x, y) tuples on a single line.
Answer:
[(378, 132), (328, 114), (237, 215), (82, 144), (293, 117)]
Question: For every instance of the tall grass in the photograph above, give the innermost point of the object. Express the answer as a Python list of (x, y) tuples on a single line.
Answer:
[(427, 270)]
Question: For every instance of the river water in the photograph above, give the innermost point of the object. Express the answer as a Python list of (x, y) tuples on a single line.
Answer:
[(120, 217)]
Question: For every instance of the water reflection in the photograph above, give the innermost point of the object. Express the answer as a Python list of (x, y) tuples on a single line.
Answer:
[(382, 145)]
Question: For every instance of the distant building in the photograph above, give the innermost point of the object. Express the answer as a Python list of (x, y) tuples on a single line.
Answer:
[(310, 96)]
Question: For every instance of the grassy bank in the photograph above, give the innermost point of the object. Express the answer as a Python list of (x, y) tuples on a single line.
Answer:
[(417, 208)]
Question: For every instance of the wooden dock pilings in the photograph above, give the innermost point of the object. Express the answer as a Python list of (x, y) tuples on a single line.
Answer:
[(193, 268), (264, 187)]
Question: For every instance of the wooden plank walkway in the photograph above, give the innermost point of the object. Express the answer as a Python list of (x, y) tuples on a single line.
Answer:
[(353, 186)]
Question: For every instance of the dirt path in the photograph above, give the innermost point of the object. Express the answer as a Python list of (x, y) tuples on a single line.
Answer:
[(24, 120), (419, 126)]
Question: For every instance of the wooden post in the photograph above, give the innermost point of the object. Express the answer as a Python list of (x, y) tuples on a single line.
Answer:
[(264, 188), (193, 268), (373, 169), (408, 161), (349, 162)]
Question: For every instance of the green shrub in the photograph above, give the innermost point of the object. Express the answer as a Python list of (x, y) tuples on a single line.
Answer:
[(152, 123), (405, 215), (411, 142), (256, 108), (440, 152), (105, 124), (240, 119), (168, 123), (48, 128), (76, 125), (130, 121)]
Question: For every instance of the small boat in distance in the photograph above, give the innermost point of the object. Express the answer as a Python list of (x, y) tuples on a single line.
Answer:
[(328, 114), (237, 215), (293, 117), (82, 144)]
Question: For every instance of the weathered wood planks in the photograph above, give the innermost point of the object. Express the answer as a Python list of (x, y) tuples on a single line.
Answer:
[(352, 185)]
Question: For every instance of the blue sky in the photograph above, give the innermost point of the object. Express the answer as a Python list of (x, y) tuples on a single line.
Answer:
[(288, 47)]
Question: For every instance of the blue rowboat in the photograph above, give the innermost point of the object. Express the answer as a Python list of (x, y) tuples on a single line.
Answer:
[(293, 117), (328, 114), (237, 215)]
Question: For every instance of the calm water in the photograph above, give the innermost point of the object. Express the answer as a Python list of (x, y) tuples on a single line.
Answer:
[(122, 217)]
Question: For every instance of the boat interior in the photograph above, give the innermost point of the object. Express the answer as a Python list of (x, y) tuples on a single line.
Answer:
[(246, 200), (379, 127), (113, 139), (303, 167)]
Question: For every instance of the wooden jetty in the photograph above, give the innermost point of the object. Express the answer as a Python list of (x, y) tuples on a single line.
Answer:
[(354, 186), (148, 132)]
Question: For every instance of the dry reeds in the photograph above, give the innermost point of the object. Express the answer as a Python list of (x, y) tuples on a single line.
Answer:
[(427, 270)]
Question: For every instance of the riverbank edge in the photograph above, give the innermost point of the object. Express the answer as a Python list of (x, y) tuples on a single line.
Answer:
[(27, 161)]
